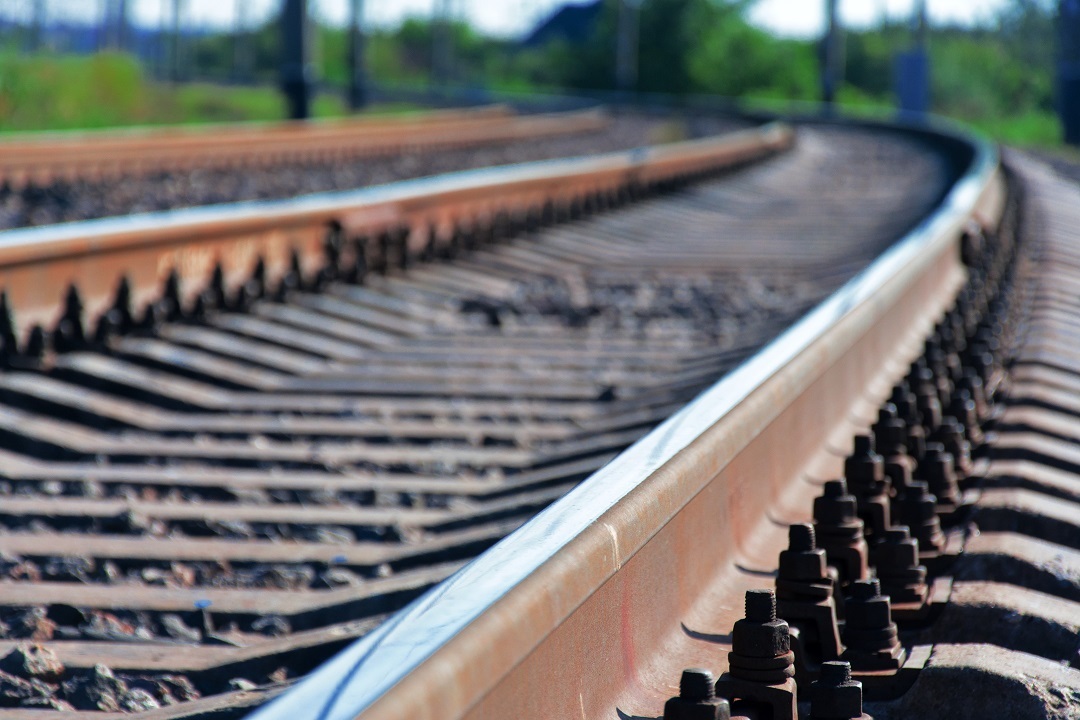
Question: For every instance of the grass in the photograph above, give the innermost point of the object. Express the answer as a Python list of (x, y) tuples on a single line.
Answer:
[(1030, 129), (110, 90)]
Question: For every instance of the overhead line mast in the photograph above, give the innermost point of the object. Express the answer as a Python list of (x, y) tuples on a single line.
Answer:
[(1068, 73)]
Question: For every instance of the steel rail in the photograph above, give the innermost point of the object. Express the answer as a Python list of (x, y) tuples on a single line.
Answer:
[(94, 156), (36, 264), (597, 602)]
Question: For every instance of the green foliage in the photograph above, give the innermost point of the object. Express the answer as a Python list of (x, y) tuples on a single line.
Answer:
[(110, 90), (1032, 128), (998, 77), (736, 60), (47, 92)]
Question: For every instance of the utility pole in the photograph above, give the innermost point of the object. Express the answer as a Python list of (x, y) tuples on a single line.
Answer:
[(626, 46), (357, 70), (832, 54), (242, 59), (116, 25), (177, 40), (913, 69), (123, 40), (442, 50), (1069, 69), (296, 71), (40, 23)]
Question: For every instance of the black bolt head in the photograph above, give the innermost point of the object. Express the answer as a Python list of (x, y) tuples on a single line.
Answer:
[(697, 699), (835, 696)]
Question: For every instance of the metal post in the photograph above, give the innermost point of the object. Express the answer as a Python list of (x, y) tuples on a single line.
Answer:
[(116, 25), (441, 44), (296, 69), (176, 54), (357, 71), (40, 22), (242, 59), (626, 46), (832, 62), (122, 39), (1068, 89)]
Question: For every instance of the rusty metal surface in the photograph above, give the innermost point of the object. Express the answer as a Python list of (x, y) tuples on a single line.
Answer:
[(266, 484)]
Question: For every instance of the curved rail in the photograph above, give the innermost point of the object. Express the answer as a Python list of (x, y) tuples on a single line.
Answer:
[(187, 249), (43, 158), (593, 604)]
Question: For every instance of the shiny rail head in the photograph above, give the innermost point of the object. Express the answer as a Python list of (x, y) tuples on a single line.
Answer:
[(358, 677)]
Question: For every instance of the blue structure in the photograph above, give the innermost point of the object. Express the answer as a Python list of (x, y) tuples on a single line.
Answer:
[(912, 83)]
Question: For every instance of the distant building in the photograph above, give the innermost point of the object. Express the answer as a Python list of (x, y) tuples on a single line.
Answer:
[(571, 23)]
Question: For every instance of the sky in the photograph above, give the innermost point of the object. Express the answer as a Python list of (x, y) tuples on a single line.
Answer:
[(800, 18)]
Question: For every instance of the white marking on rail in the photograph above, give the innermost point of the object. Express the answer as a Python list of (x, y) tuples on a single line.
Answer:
[(616, 560)]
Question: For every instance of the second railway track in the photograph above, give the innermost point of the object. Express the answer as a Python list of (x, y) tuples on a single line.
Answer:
[(330, 407)]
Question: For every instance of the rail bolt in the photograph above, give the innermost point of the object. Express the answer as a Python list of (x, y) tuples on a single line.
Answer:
[(839, 531), (918, 510), (938, 469), (760, 634), (803, 560), (835, 696), (869, 632), (697, 699), (902, 578), (804, 592), (761, 665), (864, 471)]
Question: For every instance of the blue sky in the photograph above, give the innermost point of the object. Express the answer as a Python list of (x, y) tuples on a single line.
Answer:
[(508, 17)]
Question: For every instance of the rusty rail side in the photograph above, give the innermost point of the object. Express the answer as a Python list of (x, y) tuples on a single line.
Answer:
[(599, 601), (37, 265), (91, 157)]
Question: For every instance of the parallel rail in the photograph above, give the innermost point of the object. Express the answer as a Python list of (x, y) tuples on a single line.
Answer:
[(127, 264), (593, 605), (41, 159)]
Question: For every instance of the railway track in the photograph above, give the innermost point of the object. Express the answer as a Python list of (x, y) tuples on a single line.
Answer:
[(47, 181), (43, 158), (245, 440), (595, 607)]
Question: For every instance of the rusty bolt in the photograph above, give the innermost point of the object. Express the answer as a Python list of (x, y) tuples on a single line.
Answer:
[(929, 407), (952, 435), (696, 699), (867, 608), (803, 561), (897, 560), (897, 551), (835, 506), (938, 470), (760, 634), (887, 417), (918, 510), (973, 384), (835, 696), (869, 632), (967, 410), (903, 399), (864, 469)]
